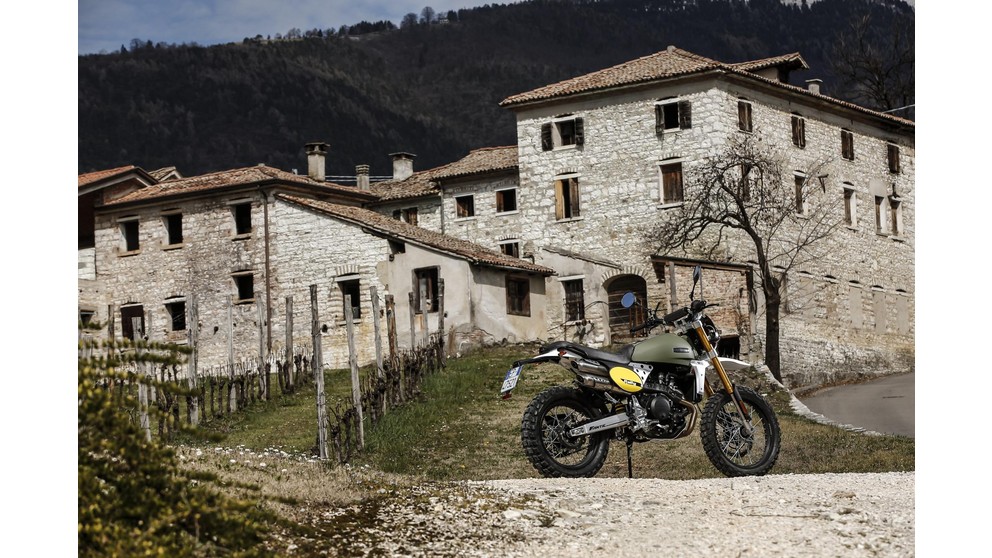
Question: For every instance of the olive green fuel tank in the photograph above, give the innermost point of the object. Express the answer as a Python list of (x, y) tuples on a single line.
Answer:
[(666, 348)]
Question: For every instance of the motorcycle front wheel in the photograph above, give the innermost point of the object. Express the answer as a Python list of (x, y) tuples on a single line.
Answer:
[(729, 446), (545, 438)]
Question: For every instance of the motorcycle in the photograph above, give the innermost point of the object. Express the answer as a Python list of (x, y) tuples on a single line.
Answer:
[(648, 390)]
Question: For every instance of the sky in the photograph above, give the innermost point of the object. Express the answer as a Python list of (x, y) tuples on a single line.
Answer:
[(105, 25)]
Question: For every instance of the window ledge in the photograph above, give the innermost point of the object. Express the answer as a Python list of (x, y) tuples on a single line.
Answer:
[(245, 301), (898, 238), (173, 246), (512, 212), (464, 219), (130, 253), (570, 220), (521, 314), (577, 322), (851, 227), (670, 205), (243, 236), (565, 147)]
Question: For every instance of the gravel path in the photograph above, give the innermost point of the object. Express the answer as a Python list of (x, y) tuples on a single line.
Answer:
[(795, 516)]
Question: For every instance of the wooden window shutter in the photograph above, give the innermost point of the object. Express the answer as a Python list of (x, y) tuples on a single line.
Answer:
[(573, 196), (559, 199), (546, 142), (893, 158), (685, 115), (579, 134), (659, 120)]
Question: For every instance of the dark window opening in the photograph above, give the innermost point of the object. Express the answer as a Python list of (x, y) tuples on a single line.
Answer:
[(86, 317), (510, 249), (671, 183), (574, 300), (566, 132), (177, 314), (800, 194), (894, 215), (849, 207), (242, 218), (245, 283), (506, 200), (351, 288), (893, 158), (744, 122), (465, 206), (847, 144), (566, 198), (798, 131), (518, 296), (672, 116), (745, 186), (410, 215), (425, 282), (879, 215), (130, 315), (130, 231), (174, 228)]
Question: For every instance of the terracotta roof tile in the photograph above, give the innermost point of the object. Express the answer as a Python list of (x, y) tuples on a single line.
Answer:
[(675, 62), (230, 178), (397, 229), (97, 176), (423, 183)]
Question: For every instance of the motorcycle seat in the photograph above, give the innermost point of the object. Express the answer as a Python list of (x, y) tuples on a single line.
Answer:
[(620, 357)]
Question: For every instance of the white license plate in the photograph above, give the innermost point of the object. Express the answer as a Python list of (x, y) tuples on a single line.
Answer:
[(510, 381)]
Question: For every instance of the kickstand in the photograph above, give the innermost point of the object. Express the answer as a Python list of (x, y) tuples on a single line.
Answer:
[(630, 463)]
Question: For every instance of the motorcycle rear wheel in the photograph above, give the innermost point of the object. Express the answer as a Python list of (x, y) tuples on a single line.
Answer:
[(731, 450), (545, 439)]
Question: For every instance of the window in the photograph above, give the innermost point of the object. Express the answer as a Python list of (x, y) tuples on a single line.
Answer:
[(176, 308), (850, 206), (351, 291), (510, 248), (798, 131), (562, 132), (133, 321), (425, 282), (893, 158), (671, 182), (408, 215), (567, 198), (465, 207), (574, 301), (672, 115), (518, 296), (744, 191), (847, 144), (129, 232), (245, 284), (86, 317), (174, 228), (506, 200), (894, 214), (242, 218), (800, 181), (879, 214), (744, 122)]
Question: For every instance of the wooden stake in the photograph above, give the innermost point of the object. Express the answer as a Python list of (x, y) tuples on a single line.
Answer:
[(290, 361), (356, 391), (318, 368), (233, 395), (440, 321), (413, 322), (192, 337)]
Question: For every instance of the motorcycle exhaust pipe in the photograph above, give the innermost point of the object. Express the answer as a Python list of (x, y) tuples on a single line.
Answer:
[(599, 383), (605, 423)]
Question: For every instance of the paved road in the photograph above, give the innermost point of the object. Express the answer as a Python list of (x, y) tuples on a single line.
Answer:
[(886, 405)]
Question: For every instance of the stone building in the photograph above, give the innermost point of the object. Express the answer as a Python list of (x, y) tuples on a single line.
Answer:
[(602, 158), (239, 243)]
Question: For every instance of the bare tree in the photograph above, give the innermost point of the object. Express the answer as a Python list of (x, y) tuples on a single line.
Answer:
[(877, 66), (746, 194), (427, 15), (409, 21)]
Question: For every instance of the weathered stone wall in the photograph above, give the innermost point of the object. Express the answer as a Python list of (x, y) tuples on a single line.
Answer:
[(428, 211)]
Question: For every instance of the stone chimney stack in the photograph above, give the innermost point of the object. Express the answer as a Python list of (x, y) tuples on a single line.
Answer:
[(814, 85), (316, 155), (402, 165), (362, 177)]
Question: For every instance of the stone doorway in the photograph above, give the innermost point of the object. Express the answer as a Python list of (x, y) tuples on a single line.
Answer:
[(622, 319)]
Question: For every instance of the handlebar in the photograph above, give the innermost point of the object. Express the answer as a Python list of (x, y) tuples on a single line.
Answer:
[(697, 306)]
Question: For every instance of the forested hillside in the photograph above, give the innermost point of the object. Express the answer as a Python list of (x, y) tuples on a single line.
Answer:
[(433, 89)]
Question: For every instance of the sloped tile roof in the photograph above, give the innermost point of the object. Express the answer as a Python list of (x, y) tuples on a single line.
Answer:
[(793, 60), (423, 183), (402, 231), (232, 178), (671, 63), (163, 172), (97, 176)]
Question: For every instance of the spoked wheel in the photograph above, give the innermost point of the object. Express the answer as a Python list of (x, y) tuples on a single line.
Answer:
[(729, 445), (544, 433)]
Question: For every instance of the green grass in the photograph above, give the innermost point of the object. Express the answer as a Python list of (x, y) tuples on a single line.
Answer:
[(460, 429)]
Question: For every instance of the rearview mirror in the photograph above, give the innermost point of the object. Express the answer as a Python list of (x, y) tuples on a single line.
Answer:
[(628, 300), (697, 272)]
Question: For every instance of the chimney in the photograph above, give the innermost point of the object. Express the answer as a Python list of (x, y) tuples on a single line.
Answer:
[(362, 177), (814, 85), (316, 153), (402, 165)]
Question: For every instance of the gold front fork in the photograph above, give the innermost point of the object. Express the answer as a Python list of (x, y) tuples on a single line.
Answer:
[(724, 378)]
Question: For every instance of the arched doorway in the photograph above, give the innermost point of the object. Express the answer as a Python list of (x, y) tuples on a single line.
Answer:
[(622, 319)]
